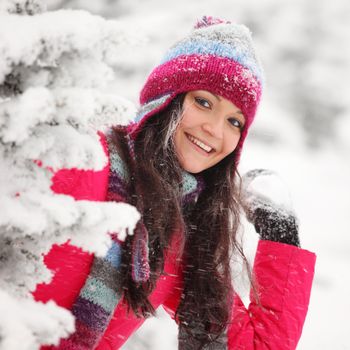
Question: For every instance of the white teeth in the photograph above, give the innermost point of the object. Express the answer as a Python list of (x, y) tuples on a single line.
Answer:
[(200, 144)]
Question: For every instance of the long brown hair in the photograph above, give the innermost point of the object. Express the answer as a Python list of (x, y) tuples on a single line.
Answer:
[(209, 226)]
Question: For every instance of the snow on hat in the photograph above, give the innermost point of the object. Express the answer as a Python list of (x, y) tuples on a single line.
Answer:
[(217, 56)]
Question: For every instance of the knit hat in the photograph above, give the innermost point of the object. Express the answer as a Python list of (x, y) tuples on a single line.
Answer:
[(217, 56)]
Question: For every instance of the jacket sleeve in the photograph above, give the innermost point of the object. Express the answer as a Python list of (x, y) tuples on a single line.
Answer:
[(284, 275), (83, 184), (71, 265)]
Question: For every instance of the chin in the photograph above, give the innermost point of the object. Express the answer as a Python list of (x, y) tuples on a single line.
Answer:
[(192, 168), (194, 171)]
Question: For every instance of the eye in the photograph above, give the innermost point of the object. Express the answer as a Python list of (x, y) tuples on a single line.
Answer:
[(202, 102), (236, 123)]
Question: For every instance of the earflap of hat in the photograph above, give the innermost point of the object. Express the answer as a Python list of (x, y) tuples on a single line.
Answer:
[(148, 110)]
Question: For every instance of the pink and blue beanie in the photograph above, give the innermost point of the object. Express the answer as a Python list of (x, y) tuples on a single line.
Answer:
[(217, 56)]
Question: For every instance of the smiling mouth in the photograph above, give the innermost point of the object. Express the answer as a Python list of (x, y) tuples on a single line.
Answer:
[(200, 144)]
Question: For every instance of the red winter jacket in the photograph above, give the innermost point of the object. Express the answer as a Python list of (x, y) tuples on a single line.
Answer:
[(284, 274)]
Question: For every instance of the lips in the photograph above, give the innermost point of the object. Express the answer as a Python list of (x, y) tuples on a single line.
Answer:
[(200, 143)]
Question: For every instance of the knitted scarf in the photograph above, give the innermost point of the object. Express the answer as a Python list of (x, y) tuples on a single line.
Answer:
[(97, 300)]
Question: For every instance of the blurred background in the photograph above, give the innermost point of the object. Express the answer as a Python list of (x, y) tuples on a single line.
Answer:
[(302, 129)]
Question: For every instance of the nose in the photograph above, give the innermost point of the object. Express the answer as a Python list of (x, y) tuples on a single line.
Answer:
[(214, 127)]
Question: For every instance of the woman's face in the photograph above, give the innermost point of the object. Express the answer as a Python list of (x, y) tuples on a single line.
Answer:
[(209, 130)]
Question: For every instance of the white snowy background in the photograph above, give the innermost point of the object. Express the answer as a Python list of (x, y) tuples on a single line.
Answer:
[(302, 129)]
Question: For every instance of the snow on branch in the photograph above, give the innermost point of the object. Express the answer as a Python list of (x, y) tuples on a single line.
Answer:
[(55, 69), (45, 39), (25, 324), (58, 127)]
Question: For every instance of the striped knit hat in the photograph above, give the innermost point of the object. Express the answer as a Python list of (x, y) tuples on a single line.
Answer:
[(217, 56)]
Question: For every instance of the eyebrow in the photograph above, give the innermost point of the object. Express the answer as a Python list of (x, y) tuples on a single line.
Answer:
[(219, 98)]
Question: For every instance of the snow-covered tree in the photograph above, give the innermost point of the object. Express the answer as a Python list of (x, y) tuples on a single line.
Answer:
[(55, 68)]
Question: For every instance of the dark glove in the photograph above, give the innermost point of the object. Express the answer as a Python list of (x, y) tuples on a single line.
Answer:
[(263, 197)]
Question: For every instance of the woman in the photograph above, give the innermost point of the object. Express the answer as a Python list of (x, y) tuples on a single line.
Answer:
[(178, 165)]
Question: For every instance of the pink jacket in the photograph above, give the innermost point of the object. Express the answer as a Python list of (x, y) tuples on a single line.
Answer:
[(284, 274)]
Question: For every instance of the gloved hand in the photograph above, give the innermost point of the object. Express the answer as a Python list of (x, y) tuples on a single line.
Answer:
[(267, 206)]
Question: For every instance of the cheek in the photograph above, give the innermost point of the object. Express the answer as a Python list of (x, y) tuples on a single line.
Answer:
[(186, 123), (231, 142), (178, 140), (191, 117)]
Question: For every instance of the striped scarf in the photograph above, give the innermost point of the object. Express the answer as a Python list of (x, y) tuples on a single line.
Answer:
[(95, 305)]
